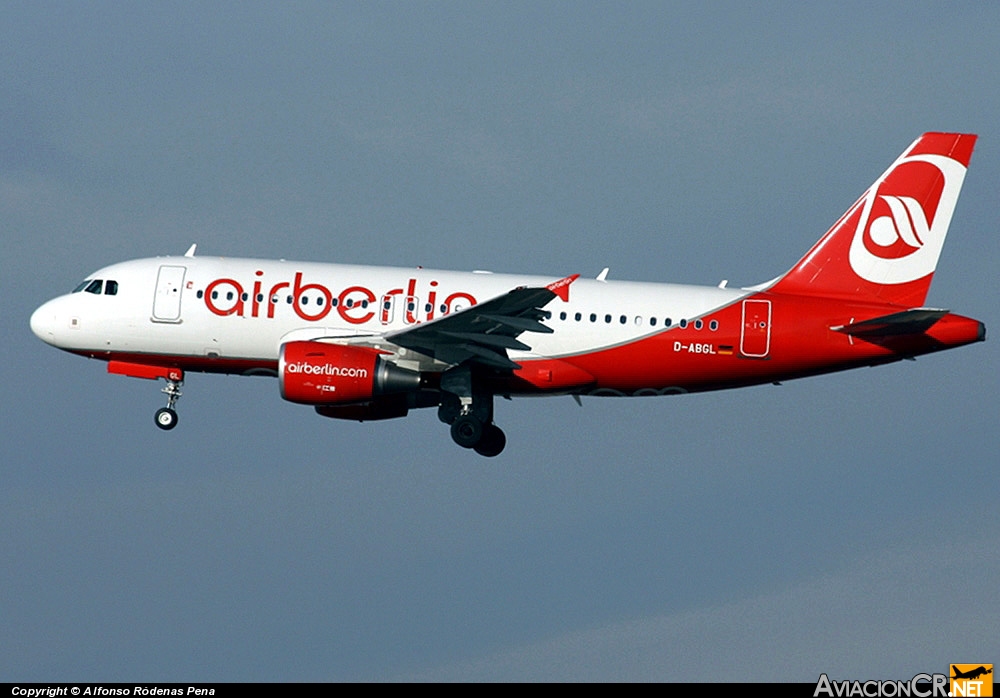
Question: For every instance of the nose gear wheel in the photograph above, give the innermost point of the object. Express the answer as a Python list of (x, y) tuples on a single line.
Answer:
[(166, 417)]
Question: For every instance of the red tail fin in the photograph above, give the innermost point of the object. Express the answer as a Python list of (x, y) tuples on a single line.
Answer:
[(886, 247)]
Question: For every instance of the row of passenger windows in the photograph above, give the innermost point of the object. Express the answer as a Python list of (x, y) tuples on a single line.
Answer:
[(97, 286), (110, 288), (638, 320), (698, 324)]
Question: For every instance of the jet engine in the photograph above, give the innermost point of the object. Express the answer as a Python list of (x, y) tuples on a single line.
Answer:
[(317, 373)]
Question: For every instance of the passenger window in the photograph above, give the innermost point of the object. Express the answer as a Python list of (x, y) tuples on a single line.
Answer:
[(593, 317), (578, 317), (607, 318), (110, 288)]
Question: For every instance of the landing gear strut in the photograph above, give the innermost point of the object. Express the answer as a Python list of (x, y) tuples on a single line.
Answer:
[(470, 414), (166, 417)]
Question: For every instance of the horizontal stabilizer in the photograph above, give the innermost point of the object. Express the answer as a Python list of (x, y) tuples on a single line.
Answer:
[(913, 321)]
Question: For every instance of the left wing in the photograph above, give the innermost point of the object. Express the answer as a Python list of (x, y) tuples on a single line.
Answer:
[(484, 332)]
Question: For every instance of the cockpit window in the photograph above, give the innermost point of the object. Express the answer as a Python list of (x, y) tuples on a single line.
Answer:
[(95, 286)]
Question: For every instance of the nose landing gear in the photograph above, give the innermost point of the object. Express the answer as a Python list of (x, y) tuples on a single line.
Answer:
[(166, 417)]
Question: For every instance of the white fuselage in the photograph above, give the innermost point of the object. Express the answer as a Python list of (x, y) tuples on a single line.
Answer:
[(229, 310)]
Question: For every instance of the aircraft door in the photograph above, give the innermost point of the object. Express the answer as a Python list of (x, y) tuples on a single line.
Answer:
[(755, 333), (167, 298)]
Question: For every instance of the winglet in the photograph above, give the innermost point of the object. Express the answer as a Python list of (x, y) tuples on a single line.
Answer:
[(561, 287)]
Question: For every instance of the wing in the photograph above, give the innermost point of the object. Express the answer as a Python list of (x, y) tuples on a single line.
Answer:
[(483, 333)]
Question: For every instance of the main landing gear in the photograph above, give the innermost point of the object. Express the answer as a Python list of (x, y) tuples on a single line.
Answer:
[(166, 417), (470, 414), (485, 439)]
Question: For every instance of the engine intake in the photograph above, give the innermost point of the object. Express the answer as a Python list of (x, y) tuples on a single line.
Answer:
[(317, 373)]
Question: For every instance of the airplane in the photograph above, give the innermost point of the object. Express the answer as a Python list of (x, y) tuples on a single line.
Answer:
[(972, 673), (370, 343)]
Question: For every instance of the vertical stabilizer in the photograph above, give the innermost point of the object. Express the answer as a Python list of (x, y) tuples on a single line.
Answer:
[(886, 246)]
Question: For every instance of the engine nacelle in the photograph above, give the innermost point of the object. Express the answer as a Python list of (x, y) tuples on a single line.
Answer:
[(317, 373)]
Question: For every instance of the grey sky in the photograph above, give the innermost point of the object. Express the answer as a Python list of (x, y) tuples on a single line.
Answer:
[(844, 524)]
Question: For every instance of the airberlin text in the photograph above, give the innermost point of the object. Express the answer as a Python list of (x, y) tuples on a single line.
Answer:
[(313, 301), (327, 370), (920, 686)]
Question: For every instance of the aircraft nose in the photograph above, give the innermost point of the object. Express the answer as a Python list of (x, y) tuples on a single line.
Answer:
[(43, 323)]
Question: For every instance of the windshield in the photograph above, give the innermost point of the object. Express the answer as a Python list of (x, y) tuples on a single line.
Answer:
[(95, 286)]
